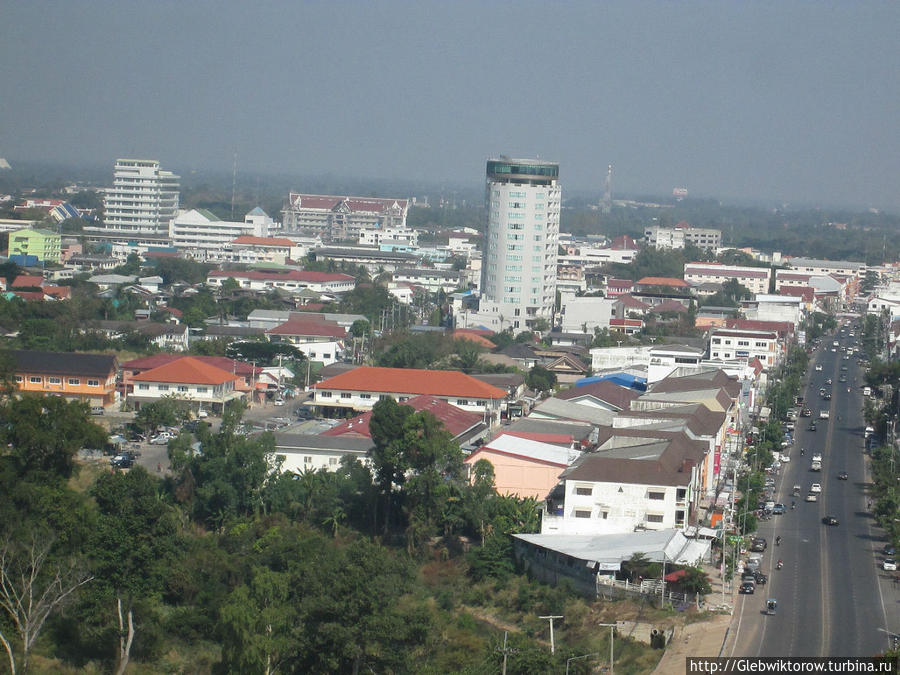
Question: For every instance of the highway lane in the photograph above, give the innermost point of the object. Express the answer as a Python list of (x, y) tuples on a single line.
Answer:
[(827, 592)]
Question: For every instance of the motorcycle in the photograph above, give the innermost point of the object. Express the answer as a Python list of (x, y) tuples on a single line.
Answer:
[(778, 541), (779, 565)]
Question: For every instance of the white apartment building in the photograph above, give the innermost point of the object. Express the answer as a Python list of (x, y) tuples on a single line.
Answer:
[(606, 358), (388, 237), (252, 250), (825, 267), (204, 234), (766, 307), (292, 281), (431, 280), (730, 344), (584, 314), (518, 277), (676, 237), (756, 279), (664, 359), (141, 202)]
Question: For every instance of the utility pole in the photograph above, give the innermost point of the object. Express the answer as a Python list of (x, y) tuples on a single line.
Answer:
[(552, 642), (612, 627), (506, 651)]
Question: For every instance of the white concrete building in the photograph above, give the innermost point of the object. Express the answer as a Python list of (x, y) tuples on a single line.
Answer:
[(204, 234), (755, 279), (825, 267), (666, 358), (389, 237), (676, 237), (731, 344), (336, 218), (518, 278), (252, 250), (141, 202), (766, 307), (292, 281), (584, 314), (605, 358)]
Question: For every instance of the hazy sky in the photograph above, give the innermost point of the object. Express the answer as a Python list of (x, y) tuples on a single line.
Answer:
[(782, 101)]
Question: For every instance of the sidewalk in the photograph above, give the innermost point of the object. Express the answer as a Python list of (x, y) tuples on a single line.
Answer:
[(703, 638)]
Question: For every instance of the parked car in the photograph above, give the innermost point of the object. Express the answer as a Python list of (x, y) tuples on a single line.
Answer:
[(279, 401), (758, 545), (778, 510), (747, 588), (98, 410), (889, 565), (829, 520), (760, 578), (889, 550), (162, 438)]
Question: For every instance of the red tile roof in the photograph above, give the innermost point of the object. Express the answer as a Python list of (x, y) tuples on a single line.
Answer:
[(781, 327), (663, 281), (631, 302), (619, 283), (412, 381), (668, 306), (808, 293), (455, 420), (623, 243), (331, 202), (187, 370), (29, 295), (263, 241), (293, 275), (27, 280), (146, 363), (471, 336)]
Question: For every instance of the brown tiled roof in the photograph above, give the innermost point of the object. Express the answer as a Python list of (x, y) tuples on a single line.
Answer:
[(186, 370), (604, 390), (672, 467), (455, 420)]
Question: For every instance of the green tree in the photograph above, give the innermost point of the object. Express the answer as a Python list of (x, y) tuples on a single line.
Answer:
[(388, 454), (45, 433), (540, 379), (133, 548), (165, 412)]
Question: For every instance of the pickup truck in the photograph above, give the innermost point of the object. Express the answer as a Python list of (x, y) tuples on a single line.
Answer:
[(823, 414)]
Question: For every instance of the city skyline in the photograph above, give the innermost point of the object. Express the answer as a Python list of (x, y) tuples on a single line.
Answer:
[(764, 102)]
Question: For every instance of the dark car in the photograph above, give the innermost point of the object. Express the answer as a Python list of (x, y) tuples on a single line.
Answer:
[(806, 412), (830, 520), (760, 578), (747, 588), (889, 550), (304, 413), (827, 397), (843, 475), (758, 545), (812, 426)]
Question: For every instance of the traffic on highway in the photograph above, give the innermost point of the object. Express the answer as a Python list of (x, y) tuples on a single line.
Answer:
[(829, 589)]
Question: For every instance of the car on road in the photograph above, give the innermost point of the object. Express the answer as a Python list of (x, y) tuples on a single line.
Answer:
[(842, 378), (843, 476), (817, 457), (778, 510), (811, 427), (827, 396), (889, 565), (806, 412), (815, 487), (747, 588), (819, 367), (811, 497), (829, 520), (279, 401), (828, 381), (844, 368)]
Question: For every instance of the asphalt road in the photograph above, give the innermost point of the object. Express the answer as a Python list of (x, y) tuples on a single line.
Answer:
[(830, 600)]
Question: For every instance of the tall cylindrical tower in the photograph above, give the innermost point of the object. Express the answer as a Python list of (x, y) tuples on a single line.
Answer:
[(518, 274)]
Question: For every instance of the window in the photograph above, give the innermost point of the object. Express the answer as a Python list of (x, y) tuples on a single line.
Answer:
[(202, 390), (332, 461), (403, 399), (144, 387), (54, 380), (163, 387), (34, 380), (654, 518), (584, 491), (462, 401), (18, 378), (325, 394), (743, 343), (74, 381), (656, 495), (307, 460), (381, 397), (680, 494), (716, 341), (580, 513), (93, 383), (365, 396), (182, 387), (345, 394)]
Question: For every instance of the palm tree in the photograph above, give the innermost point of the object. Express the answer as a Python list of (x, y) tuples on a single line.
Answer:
[(334, 520)]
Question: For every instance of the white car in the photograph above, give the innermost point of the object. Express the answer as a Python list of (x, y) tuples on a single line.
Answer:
[(161, 439), (811, 497), (785, 457), (817, 457), (819, 367), (815, 487), (279, 401), (889, 565)]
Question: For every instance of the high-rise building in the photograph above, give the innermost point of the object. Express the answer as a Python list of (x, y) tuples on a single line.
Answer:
[(142, 200), (518, 275)]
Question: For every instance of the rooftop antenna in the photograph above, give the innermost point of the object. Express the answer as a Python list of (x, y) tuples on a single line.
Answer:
[(607, 190), (233, 183)]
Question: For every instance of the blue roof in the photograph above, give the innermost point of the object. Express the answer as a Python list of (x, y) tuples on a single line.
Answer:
[(622, 379), (257, 211)]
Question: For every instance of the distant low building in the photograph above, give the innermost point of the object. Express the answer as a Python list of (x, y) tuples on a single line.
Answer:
[(42, 244), (83, 377)]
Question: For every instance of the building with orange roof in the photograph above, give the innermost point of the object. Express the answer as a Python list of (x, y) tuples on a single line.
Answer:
[(187, 378), (665, 282), (359, 389), (474, 335)]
